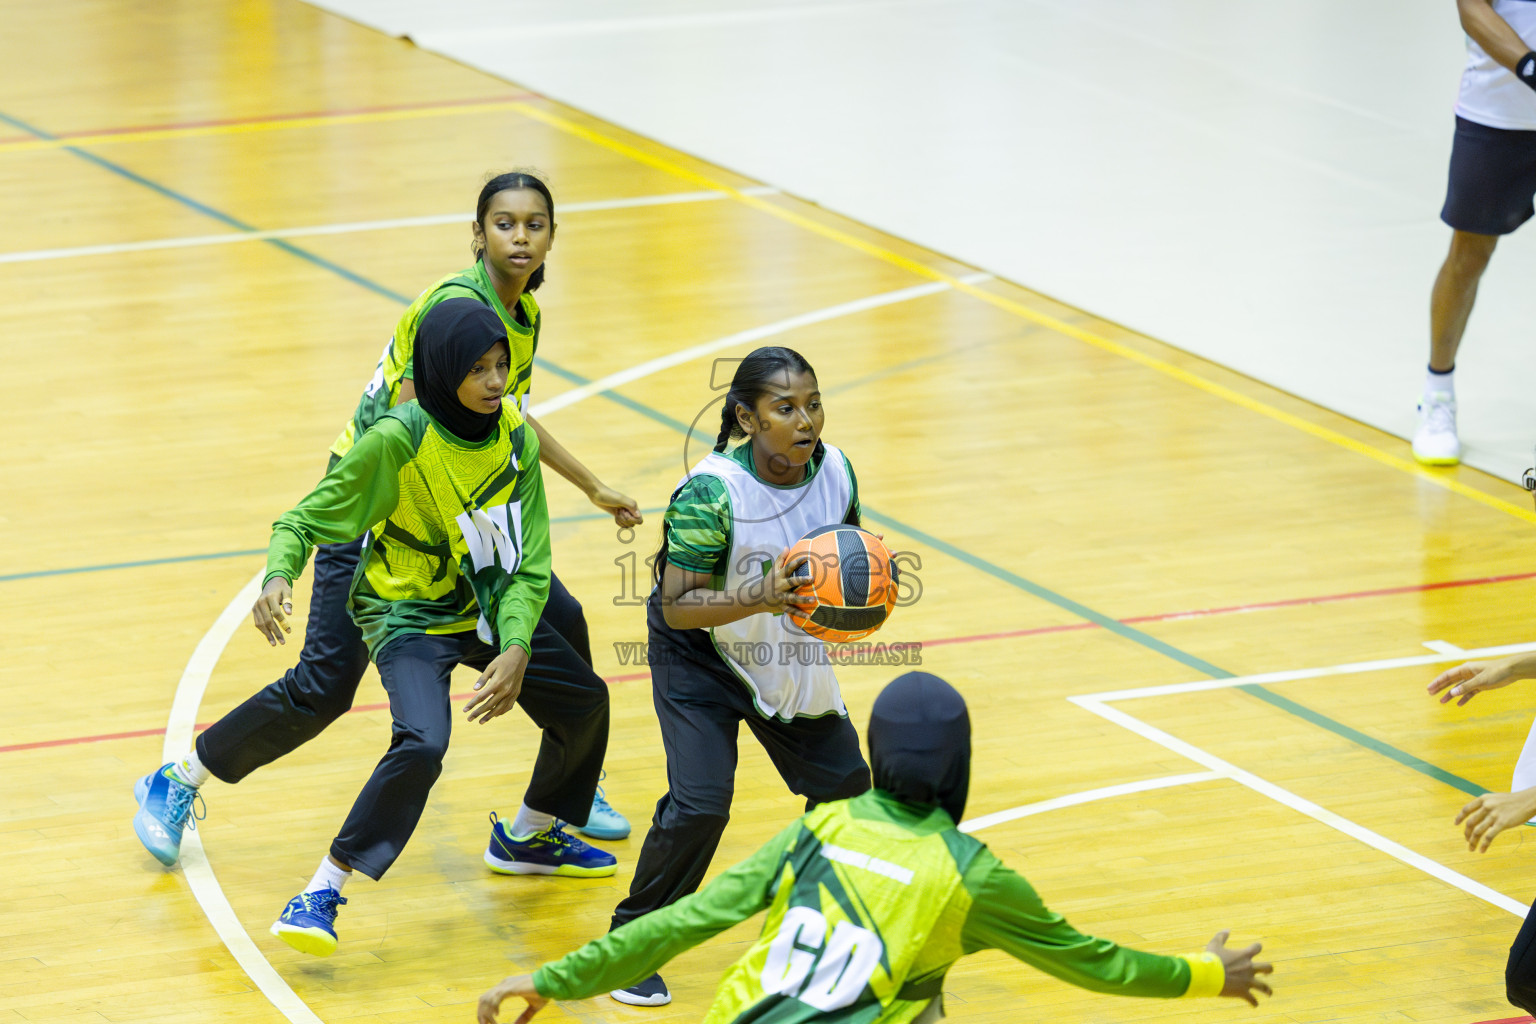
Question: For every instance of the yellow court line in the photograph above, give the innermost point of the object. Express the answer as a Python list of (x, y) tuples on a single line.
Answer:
[(1033, 316), (200, 131)]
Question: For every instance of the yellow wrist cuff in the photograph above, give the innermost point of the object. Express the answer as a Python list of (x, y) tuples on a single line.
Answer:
[(1206, 974)]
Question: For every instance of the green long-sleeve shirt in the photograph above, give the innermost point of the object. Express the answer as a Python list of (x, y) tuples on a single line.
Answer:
[(458, 532), (395, 365), (897, 895)]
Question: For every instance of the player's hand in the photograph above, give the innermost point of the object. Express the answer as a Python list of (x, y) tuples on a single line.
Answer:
[(520, 985), (1242, 970), (623, 508), (779, 591), (1469, 680), (498, 686), (1492, 813), (272, 609)]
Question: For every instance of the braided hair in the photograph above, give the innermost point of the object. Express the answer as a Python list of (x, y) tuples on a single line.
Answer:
[(763, 370)]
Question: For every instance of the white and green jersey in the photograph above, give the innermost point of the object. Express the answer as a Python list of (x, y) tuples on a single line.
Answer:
[(458, 532), (727, 521), (870, 901), (395, 365)]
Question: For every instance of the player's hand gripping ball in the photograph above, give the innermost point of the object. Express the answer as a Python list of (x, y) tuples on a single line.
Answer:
[(852, 577)]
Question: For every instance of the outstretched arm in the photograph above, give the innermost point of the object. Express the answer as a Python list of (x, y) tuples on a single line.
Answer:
[(358, 492), (1007, 914), (1492, 813), (635, 950), (1469, 680), (623, 508)]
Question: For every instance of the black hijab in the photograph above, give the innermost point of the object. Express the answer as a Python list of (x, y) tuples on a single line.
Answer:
[(920, 743), (451, 337)]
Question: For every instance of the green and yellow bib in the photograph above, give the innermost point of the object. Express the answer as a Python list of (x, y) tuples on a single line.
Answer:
[(865, 918)]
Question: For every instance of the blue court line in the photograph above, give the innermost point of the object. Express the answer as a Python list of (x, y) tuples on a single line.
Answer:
[(130, 565), (110, 566), (1082, 611), (208, 211), (1402, 757)]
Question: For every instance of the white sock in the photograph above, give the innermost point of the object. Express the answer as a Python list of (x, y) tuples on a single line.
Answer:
[(529, 821), (330, 876), (190, 770), (1436, 382)]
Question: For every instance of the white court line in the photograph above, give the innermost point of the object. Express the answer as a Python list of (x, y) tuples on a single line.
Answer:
[(194, 681), (1446, 648), (194, 860), (815, 316), (1284, 796), (1085, 797), (231, 238), (1309, 673)]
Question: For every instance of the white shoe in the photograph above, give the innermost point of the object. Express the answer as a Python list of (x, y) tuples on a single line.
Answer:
[(1435, 442)]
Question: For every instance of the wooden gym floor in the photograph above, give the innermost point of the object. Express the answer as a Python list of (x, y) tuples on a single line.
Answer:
[(210, 217)]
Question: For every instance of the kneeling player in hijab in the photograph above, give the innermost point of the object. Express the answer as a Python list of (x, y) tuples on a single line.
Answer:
[(870, 900)]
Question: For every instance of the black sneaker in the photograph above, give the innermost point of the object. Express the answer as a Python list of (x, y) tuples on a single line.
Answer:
[(650, 992)]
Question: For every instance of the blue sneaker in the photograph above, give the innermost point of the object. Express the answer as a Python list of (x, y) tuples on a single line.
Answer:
[(604, 822), (308, 922), (551, 852), (165, 808)]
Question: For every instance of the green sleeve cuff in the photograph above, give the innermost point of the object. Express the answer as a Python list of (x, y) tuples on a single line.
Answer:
[(1207, 976)]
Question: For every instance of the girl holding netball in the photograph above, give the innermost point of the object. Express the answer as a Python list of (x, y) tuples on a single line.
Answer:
[(722, 584), (513, 232)]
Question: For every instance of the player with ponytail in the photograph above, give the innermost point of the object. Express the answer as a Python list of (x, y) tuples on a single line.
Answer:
[(721, 651)]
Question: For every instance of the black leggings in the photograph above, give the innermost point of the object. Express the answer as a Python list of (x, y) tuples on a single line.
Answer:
[(700, 703), (1520, 971), (560, 693)]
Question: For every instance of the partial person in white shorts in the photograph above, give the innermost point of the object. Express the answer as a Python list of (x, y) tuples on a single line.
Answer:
[(1492, 181)]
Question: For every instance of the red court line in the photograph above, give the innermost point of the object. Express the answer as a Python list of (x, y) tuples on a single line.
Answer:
[(940, 642), (200, 726), (1507, 1020), (1009, 634), (1237, 608), (1326, 599), (96, 133)]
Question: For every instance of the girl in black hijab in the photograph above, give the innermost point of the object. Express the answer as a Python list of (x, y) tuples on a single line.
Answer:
[(455, 570), (871, 900)]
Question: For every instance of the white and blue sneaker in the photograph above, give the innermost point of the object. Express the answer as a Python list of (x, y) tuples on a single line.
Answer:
[(604, 822), (308, 922), (165, 808), (550, 852)]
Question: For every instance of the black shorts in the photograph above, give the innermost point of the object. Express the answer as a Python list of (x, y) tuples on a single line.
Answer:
[(1492, 180)]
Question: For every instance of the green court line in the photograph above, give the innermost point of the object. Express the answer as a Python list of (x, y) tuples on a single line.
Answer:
[(177, 559), (1402, 757)]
